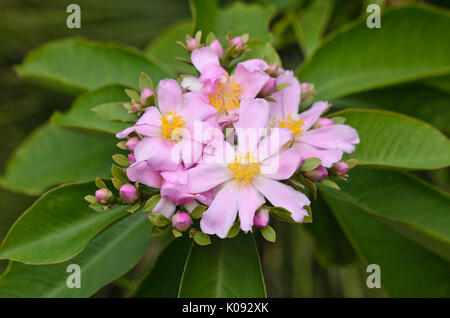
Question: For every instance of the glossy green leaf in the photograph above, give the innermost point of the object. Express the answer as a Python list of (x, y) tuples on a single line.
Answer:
[(395, 140), (115, 112), (310, 23), (239, 18), (226, 268), (107, 257), (357, 58), (81, 116), (75, 65), (57, 226), (53, 155), (408, 205), (407, 269), (165, 276), (426, 103)]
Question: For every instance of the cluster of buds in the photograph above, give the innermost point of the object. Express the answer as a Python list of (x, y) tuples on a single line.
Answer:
[(139, 101)]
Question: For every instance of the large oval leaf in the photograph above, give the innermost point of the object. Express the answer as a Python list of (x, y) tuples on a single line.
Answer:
[(57, 226), (107, 257), (357, 58), (226, 268), (408, 205), (395, 140), (407, 269), (53, 155), (75, 65)]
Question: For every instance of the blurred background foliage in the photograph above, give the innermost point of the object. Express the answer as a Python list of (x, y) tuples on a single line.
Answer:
[(306, 261)]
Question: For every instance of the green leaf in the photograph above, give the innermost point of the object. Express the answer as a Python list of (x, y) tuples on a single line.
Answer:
[(115, 112), (132, 94), (395, 140), (81, 116), (121, 159), (107, 257), (234, 230), (269, 234), (145, 81), (310, 164), (76, 65), (310, 23), (384, 56), (227, 268), (407, 269), (53, 155), (158, 220), (406, 204), (239, 18), (151, 203), (198, 211), (57, 226), (165, 276), (201, 238)]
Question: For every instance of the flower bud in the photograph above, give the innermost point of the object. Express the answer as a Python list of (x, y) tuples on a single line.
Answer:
[(145, 94), (238, 42), (304, 87), (132, 143), (340, 168), (128, 193), (322, 122), (131, 158), (261, 218), (181, 221), (317, 174), (104, 196), (192, 44), (269, 87), (217, 48), (272, 70), (136, 107)]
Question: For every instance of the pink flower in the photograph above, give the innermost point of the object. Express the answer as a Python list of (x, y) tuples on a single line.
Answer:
[(172, 123), (328, 142), (243, 175)]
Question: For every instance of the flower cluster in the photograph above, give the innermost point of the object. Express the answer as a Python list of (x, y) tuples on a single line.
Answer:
[(228, 146)]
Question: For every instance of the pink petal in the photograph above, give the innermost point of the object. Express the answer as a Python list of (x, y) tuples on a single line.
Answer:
[(253, 113), (169, 96), (288, 99), (211, 73), (271, 145), (175, 186), (251, 77), (143, 173), (206, 176), (149, 124), (191, 83), (204, 56), (158, 152), (197, 108), (328, 156), (221, 214), (164, 207), (249, 201), (283, 166), (311, 115), (282, 195), (340, 137)]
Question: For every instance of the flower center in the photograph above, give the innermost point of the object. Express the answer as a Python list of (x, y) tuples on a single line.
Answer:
[(244, 167), (170, 123), (226, 96), (291, 122)]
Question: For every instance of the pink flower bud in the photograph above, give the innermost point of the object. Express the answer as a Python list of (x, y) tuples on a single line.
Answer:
[(317, 174), (340, 168), (131, 158), (146, 93), (128, 193), (237, 41), (304, 87), (132, 143), (103, 195), (181, 221), (261, 218), (272, 70), (217, 48), (192, 44), (136, 107), (269, 87), (322, 122)]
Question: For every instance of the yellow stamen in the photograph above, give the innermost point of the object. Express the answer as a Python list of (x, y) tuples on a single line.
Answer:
[(171, 123), (245, 167), (291, 122), (227, 94)]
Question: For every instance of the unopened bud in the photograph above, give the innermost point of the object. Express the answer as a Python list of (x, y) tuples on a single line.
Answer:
[(136, 107), (104, 196), (128, 193), (131, 158), (145, 94), (181, 221), (317, 174), (192, 44), (261, 218), (272, 70), (304, 87), (269, 87), (132, 143), (340, 168), (238, 42), (322, 122), (217, 48)]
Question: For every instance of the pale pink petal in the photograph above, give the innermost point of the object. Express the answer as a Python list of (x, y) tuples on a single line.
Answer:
[(149, 124), (282, 166), (253, 113), (158, 152), (206, 176), (211, 73), (191, 83), (288, 99), (251, 77), (271, 145), (197, 108), (311, 115), (340, 137), (169, 96), (328, 156), (249, 201), (282, 195), (221, 214), (143, 173), (253, 65), (164, 207), (204, 56)]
